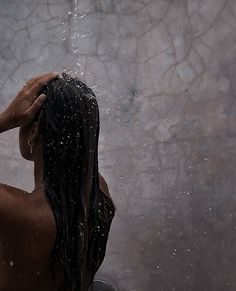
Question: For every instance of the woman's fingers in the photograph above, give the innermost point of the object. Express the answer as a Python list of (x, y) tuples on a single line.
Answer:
[(33, 109), (47, 76), (37, 86)]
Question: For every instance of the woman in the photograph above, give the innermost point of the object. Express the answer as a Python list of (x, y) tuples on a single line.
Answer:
[(55, 237)]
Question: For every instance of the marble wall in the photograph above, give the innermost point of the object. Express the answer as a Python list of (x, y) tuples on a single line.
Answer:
[(164, 74)]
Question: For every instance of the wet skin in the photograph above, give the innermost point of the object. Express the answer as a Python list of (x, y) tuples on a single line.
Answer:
[(27, 236)]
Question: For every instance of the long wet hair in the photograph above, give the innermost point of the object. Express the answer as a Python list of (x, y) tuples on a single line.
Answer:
[(69, 128)]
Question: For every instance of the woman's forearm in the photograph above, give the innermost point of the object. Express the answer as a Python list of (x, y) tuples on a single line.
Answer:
[(6, 122)]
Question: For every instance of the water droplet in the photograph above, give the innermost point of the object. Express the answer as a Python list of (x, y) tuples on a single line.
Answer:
[(11, 263), (83, 15)]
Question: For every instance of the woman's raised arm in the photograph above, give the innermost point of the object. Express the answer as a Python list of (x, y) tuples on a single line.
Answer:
[(23, 108)]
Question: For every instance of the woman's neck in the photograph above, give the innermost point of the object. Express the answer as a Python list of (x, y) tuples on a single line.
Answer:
[(38, 171)]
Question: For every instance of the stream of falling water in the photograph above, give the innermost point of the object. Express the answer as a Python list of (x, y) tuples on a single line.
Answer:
[(72, 37)]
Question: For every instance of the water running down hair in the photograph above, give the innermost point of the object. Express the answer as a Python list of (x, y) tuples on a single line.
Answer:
[(69, 127)]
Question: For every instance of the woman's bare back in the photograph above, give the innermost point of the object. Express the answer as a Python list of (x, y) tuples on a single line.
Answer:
[(27, 236)]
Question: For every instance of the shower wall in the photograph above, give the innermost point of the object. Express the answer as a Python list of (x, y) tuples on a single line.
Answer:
[(164, 75)]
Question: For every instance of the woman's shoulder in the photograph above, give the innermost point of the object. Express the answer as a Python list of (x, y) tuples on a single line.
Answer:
[(12, 197), (13, 207), (18, 205), (103, 187), (11, 190)]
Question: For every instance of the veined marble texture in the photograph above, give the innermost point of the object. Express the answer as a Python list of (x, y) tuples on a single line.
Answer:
[(164, 75)]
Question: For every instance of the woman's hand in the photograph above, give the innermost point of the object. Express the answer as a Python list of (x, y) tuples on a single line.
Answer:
[(23, 108)]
